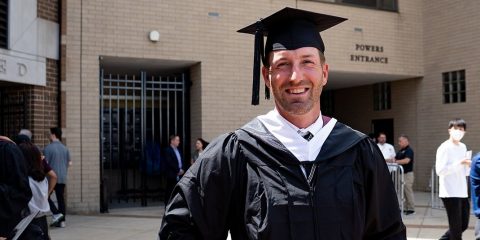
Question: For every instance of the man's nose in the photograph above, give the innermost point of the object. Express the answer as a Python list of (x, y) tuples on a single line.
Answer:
[(297, 73)]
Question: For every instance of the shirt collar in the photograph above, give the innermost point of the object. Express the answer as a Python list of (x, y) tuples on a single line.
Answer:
[(314, 128)]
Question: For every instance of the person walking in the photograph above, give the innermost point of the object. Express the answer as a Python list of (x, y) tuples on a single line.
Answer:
[(58, 157), (38, 184), (453, 166), (291, 173)]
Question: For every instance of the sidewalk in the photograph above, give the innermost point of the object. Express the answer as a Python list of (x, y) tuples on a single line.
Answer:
[(144, 223)]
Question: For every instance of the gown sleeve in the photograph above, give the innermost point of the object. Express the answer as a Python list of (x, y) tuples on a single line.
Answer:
[(382, 213), (201, 201)]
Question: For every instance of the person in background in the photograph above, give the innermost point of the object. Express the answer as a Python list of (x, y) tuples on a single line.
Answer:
[(453, 166), (58, 157), (15, 190), (200, 145), (26, 135), (38, 184), (405, 158), (387, 149), (173, 165)]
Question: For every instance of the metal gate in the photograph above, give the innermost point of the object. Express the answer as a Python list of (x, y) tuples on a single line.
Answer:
[(13, 113), (137, 116)]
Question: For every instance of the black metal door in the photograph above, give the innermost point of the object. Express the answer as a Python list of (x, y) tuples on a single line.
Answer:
[(137, 116)]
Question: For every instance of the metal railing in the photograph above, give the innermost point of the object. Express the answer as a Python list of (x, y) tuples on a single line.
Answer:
[(436, 202), (396, 171)]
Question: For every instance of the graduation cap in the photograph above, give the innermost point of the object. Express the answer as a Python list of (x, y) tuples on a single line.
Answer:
[(287, 29)]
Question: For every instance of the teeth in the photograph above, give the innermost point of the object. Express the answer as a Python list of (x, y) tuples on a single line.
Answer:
[(298, 90)]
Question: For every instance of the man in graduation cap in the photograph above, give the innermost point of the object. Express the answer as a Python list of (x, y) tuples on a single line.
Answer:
[(292, 173)]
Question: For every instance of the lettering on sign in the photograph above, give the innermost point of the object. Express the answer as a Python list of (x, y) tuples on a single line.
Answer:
[(22, 69), (3, 66), (365, 57)]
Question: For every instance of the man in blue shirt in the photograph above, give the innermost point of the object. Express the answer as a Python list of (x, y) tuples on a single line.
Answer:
[(173, 165), (58, 157)]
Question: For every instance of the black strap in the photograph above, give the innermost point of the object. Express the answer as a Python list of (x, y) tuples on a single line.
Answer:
[(307, 135)]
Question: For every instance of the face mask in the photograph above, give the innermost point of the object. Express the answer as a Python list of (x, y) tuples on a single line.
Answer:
[(456, 135)]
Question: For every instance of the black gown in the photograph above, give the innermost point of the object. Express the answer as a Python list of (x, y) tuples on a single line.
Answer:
[(15, 190), (248, 183)]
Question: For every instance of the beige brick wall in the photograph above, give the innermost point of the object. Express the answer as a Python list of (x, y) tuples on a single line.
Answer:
[(221, 79), (450, 43)]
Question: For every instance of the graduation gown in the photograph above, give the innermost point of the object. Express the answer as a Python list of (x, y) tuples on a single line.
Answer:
[(15, 190), (248, 183)]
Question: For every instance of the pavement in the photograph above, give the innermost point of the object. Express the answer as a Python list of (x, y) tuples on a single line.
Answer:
[(143, 223)]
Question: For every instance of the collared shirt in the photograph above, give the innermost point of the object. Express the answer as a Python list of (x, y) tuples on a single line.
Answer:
[(288, 135), (58, 157), (387, 149), (452, 173), (179, 159)]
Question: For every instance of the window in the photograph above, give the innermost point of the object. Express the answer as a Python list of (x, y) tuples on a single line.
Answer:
[(3, 23), (454, 88), (327, 103), (381, 96), (389, 5)]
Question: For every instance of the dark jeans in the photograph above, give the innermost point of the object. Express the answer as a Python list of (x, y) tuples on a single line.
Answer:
[(458, 213), (42, 223), (59, 192)]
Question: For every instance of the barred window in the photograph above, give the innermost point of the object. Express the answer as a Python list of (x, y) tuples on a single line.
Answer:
[(454, 87), (3, 23), (382, 96), (389, 5)]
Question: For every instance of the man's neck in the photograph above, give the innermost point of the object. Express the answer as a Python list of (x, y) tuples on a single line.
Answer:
[(454, 141), (301, 121), (173, 146)]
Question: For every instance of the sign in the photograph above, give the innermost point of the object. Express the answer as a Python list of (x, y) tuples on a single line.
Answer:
[(22, 68), (369, 54)]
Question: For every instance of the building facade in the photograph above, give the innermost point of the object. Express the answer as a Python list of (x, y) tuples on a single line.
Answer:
[(132, 73)]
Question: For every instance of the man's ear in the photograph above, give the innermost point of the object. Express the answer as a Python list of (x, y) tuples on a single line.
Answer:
[(266, 76), (325, 74)]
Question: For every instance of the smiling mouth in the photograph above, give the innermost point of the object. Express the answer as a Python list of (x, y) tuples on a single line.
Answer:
[(297, 90)]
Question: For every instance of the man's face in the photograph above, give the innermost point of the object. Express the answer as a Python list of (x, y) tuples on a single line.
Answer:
[(296, 78), (382, 138), (402, 142), (175, 141)]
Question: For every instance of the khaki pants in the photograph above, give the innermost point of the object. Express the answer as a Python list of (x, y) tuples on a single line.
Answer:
[(408, 191)]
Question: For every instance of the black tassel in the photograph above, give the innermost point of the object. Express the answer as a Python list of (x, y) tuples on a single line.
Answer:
[(257, 58)]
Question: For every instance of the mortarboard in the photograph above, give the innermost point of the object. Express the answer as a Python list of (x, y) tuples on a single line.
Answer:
[(287, 29)]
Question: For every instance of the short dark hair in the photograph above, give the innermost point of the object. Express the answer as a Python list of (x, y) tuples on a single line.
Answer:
[(457, 122), (172, 137), (57, 132)]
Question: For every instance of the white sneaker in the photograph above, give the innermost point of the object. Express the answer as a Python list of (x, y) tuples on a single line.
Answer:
[(56, 218), (63, 224)]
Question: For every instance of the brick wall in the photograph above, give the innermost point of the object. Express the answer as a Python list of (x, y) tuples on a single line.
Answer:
[(204, 32), (40, 104), (48, 9)]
